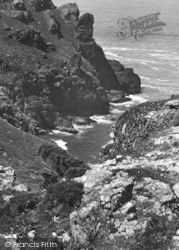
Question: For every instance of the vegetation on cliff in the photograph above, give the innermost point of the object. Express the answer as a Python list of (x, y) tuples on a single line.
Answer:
[(33, 187)]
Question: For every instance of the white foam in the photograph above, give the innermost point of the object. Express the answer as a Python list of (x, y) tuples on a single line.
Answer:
[(160, 51), (163, 80), (115, 111), (138, 98), (127, 105), (61, 144), (121, 104), (136, 60), (105, 119), (112, 54), (135, 99), (145, 78), (155, 68), (111, 135), (57, 132), (135, 49), (166, 56), (150, 86), (82, 129), (118, 48)]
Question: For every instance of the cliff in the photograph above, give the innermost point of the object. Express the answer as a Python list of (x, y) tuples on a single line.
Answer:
[(129, 201), (50, 64), (129, 81)]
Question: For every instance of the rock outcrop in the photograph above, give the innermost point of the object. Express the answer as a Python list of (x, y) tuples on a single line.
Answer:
[(22, 16), (93, 52), (131, 204), (33, 38), (33, 5), (38, 49), (51, 51), (134, 128), (130, 201), (129, 81)]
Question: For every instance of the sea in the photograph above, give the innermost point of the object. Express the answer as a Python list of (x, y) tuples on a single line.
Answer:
[(154, 57)]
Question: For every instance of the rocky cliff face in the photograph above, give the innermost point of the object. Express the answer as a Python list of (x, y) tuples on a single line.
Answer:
[(51, 51), (130, 201), (93, 52), (129, 81), (40, 64)]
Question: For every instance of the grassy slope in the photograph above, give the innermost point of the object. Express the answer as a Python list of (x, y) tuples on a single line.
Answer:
[(21, 149)]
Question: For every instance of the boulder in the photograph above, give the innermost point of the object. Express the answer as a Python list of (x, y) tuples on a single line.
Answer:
[(176, 189), (129, 81), (65, 125), (175, 121), (69, 11), (160, 190), (7, 178), (115, 96), (173, 104), (83, 120)]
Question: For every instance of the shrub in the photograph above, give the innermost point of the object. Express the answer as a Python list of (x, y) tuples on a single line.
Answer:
[(67, 192), (74, 172), (158, 234), (60, 160), (176, 144), (54, 156)]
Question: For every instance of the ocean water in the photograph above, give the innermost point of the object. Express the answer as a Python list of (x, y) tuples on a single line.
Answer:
[(91, 138), (155, 58)]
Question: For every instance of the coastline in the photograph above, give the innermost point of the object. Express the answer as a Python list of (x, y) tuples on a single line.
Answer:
[(61, 100), (87, 132), (127, 192)]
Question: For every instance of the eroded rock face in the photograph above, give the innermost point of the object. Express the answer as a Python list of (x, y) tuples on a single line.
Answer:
[(23, 16), (41, 110), (137, 125), (175, 121), (52, 24), (18, 5), (84, 28), (126, 203), (93, 52), (129, 81), (38, 5), (69, 11), (67, 91), (131, 202), (32, 37), (45, 63)]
